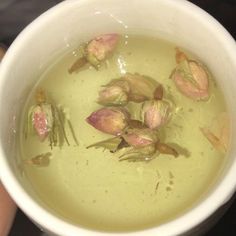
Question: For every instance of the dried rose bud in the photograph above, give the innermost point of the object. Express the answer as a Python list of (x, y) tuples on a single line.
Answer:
[(122, 83), (155, 113), (191, 78), (110, 120), (42, 120), (142, 87), (113, 95), (139, 138), (99, 48)]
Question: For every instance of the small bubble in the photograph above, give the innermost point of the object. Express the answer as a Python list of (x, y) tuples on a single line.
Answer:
[(106, 191), (171, 182), (94, 201), (190, 110)]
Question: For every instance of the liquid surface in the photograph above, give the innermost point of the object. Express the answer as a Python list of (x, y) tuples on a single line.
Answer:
[(90, 187)]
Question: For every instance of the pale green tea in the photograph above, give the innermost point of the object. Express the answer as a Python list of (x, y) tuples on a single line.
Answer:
[(91, 187)]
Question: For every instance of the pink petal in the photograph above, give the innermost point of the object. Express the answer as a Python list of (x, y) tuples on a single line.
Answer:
[(40, 124)]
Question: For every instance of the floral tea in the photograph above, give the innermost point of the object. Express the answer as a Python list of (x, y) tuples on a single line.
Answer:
[(116, 133)]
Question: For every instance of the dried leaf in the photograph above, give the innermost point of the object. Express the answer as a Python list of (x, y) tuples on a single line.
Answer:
[(144, 154), (111, 144), (78, 64), (166, 149)]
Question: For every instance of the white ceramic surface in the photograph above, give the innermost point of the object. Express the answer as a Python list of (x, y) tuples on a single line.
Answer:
[(75, 21)]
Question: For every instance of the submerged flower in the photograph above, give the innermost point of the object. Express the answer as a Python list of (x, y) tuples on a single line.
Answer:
[(113, 95), (155, 113), (99, 48), (48, 121), (142, 87), (139, 138), (42, 120), (190, 77), (95, 51), (110, 120)]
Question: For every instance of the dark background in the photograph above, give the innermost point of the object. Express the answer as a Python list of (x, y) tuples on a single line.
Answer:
[(16, 14)]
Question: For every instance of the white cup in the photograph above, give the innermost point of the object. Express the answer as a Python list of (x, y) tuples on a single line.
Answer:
[(72, 22)]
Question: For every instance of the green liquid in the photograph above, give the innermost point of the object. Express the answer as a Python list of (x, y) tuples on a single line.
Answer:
[(90, 187)]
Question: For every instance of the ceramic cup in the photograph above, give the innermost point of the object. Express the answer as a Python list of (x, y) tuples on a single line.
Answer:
[(72, 22)]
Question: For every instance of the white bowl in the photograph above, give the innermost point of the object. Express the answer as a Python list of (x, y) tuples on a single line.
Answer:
[(75, 21)]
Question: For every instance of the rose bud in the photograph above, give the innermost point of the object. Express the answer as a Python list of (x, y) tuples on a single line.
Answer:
[(191, 78), (142, 87), (110, 120), (139, 138), (99, 48), (42, 120), (113, 95), (155, 113)]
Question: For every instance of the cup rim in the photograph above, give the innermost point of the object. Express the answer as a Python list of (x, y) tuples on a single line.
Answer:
[(218, 197)]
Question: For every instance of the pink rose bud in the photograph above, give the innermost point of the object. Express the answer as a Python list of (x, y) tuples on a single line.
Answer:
[(191, 78), (155, 113), (139, 138), (42, 120), (110, 120), (99, 48)]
